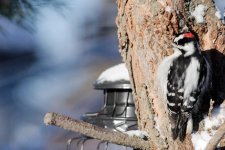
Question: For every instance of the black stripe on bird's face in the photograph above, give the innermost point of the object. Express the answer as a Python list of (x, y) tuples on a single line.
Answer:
[(183, 41)]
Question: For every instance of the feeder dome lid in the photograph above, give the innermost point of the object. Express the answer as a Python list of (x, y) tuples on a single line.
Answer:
[(116, 77)]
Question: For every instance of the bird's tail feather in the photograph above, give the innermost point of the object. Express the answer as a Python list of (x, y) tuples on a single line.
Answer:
[(183, 126), (180, 127), (174, 133), (175, 130), (182, 132)]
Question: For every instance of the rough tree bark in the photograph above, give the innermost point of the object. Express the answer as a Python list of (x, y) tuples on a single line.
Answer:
[(145, 31)]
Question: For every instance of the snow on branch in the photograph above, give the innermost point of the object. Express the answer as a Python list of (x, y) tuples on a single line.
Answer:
[(213, 126), (216, 138), (96, 132)]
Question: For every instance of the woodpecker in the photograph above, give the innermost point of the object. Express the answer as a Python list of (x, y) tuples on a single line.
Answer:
[(184, 76)]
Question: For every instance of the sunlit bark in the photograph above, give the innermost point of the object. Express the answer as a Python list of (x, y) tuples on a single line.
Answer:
[(145, 30)]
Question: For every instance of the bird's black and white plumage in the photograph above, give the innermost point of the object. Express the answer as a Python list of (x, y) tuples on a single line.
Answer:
[(184, 75)]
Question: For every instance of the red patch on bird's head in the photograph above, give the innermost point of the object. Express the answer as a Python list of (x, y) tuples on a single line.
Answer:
[(188, 35)]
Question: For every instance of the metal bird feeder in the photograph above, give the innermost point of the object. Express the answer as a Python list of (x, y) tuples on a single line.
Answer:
[(117, 114)]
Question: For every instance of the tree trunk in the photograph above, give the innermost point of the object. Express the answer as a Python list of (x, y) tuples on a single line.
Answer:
[(145, 30)]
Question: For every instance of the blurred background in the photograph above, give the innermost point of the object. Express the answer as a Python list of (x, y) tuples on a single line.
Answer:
[(51, 52)]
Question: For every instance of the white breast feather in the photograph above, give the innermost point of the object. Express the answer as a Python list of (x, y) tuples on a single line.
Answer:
[(192, 77)]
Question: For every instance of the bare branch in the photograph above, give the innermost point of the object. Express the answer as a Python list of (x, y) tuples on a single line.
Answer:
[(94, 131), (216, 138)]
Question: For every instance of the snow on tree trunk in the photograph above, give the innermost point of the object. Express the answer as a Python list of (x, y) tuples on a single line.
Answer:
[(145, 30)]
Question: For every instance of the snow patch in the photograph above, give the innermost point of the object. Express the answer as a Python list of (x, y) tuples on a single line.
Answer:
[(199, 13), (114, 74), (218, 13), (201, 139), (218, 118), (220, 6), (138, 133)]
